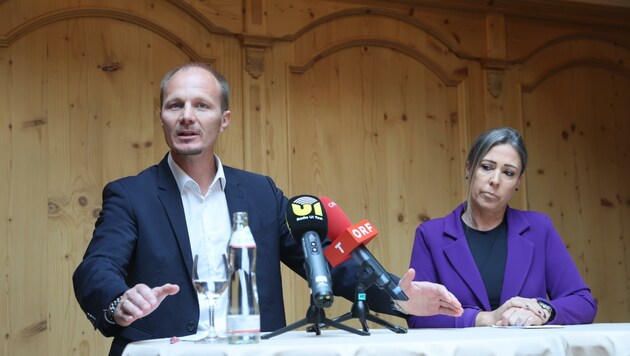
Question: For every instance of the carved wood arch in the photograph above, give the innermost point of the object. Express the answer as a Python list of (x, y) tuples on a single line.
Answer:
[(95, 12), (581, 62), (572, 37), (448, 80), (397, 15), (193, 13)]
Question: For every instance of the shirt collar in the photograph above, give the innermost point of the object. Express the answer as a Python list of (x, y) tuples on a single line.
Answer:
[(183, 179)]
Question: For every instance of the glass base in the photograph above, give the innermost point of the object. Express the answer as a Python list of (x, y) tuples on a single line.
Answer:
[(211, 340)]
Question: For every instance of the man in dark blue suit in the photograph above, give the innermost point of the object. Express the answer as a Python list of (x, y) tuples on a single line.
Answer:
[(150, 226)]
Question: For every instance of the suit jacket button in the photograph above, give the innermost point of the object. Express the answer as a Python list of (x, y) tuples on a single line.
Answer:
[(191, 327)]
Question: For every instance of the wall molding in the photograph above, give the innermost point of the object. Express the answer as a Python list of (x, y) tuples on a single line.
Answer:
[(494, 72), (580, 62), (254, 47), (96, 12), (450, 80), (572, 37), (556, 10), (191, 11), (452, 45)]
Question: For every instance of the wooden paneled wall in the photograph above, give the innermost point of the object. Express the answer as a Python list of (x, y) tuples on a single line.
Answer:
[(372, 103)]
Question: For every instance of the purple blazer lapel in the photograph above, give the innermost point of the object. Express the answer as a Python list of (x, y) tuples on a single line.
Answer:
[(459, 255), (520, 253)]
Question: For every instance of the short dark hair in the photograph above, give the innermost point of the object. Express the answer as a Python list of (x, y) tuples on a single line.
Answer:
[(225, 88), (488, 139)]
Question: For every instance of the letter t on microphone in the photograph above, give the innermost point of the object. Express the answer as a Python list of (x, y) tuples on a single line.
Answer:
[(360, 233)]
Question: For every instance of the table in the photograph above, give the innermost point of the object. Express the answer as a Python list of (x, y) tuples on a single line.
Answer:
[(594, 339)]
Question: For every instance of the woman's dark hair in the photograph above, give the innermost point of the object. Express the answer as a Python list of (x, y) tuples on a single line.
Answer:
[(225, 88)]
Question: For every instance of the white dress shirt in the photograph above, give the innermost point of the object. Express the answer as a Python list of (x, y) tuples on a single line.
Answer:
[(209, 229)]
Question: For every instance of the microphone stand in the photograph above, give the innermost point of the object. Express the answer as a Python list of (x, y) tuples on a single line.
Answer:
[(360, 308), (316, 316)]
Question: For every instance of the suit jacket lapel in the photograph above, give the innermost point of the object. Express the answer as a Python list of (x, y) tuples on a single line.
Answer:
[(234, 193), (171, 200), (520, 253), (460, 257)]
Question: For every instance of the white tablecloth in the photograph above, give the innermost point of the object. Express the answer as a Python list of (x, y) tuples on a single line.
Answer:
[(594, 339)]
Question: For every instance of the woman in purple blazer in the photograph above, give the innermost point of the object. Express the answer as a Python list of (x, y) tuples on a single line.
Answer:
[(506, 266)]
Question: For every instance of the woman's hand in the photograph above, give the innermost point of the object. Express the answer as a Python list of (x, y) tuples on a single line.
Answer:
[(520, 317), (516, 310)]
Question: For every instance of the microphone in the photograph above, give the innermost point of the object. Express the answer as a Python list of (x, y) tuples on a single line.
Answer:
[(308, 225), (350, 242)]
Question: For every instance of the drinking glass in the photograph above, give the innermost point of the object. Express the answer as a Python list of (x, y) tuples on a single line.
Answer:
[(211, 287)]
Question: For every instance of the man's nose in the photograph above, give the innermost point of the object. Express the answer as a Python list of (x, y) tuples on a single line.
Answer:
[(187, 113)]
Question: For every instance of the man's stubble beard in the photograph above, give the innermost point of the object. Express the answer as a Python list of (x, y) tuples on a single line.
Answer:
[(187, 152)]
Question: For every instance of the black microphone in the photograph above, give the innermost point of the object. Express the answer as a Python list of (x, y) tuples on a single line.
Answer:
[(306, 219), (349, 242)]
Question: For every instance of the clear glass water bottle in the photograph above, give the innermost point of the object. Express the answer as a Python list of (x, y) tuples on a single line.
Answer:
[(243, 319)]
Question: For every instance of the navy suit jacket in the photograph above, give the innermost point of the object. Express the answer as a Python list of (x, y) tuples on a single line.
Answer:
[(141, 237)]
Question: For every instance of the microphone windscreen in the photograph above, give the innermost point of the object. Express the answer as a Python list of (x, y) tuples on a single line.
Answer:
[(338, 221), (306, 213)]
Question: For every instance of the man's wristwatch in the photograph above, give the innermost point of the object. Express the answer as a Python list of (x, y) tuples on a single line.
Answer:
[(548, 308), (111, 308)]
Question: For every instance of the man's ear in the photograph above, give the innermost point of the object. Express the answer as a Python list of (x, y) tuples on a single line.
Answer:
[(225, 119)]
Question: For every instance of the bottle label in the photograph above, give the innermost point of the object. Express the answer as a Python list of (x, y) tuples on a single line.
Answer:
[(242, 238), (242, 324)]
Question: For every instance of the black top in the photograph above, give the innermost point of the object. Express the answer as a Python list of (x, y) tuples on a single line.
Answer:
[(489, 250)]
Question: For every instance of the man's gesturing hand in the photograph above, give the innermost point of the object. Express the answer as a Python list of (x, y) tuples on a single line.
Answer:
[(141, 301), (426, 298)]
